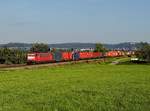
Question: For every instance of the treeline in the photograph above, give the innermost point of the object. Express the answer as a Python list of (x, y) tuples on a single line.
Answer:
[(12, 56)]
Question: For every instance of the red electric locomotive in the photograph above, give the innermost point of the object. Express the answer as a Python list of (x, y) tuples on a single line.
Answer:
[(39, 58)]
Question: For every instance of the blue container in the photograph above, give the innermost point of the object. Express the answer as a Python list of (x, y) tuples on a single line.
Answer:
[(57, 56), (76, 56)]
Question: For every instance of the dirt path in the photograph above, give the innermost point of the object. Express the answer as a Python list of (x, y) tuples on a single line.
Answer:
[(118, 61)]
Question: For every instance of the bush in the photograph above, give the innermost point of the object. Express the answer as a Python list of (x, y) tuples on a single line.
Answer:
[(39, 47), (12, 56)]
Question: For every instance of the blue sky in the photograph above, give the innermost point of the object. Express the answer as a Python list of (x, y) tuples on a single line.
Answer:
[(59, 21)]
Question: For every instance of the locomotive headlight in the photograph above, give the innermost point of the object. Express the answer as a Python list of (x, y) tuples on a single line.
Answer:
[(31, 57)]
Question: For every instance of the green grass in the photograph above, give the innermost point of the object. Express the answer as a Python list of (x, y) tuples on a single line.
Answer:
[(80, 87)]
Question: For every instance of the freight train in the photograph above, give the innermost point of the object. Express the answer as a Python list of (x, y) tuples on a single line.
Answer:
[(59, 56)]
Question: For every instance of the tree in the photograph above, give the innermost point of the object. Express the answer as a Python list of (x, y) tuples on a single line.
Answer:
[(144, 51), (99, 48), (39, 47)]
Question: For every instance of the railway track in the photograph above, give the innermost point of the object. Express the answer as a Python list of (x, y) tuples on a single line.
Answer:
[(25, 66)]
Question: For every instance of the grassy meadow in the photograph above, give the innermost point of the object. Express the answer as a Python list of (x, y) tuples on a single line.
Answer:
[(78, 87)]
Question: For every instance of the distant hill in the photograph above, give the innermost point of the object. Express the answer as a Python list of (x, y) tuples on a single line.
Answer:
[(16, 45), (73, 45), (127, 45)]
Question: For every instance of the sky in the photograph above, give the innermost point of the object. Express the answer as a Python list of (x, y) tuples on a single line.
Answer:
[(63, 21)]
